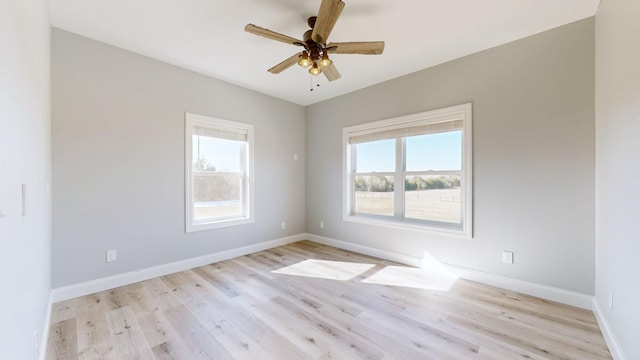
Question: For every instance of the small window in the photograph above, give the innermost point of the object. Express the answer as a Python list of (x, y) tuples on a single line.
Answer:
[(413, 171), (219, 165)]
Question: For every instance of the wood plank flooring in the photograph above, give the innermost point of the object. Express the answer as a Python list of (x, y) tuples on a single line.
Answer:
[(311, 301)]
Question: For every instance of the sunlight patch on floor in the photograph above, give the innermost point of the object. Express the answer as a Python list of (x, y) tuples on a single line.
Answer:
[(433, 275), (326, 269), (413, 278)]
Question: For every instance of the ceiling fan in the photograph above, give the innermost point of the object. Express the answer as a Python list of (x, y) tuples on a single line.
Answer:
[(316, 50)]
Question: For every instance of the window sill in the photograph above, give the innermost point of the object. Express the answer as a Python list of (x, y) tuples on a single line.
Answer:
[(440, 231), (217, 224)]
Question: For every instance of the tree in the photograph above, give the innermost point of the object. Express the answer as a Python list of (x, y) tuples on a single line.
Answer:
[(203, 165), (379, 183), (410, 184), (430, 182), (361, 184)]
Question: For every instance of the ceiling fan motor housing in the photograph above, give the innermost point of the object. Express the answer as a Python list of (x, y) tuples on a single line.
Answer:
[(313, 48), (307, 36)]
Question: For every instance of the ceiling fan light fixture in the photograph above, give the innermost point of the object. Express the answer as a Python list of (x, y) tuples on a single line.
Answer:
[(315, 70), (315, 47), (325, 60), (304, 60)]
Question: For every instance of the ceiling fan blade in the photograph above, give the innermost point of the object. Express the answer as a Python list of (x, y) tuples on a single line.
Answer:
[(362, 47), (257, 30), (331, 72), (327, 16), (285, 64)]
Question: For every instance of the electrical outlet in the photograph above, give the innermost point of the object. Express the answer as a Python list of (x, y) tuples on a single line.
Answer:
[(283, 225), (321, 224), (507, 257), (112, 255), (295, 157)]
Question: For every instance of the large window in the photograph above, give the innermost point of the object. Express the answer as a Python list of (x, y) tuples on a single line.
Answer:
[(219, 166), (413, 171)]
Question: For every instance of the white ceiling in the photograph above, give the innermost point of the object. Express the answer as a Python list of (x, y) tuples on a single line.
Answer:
[(207, 36)]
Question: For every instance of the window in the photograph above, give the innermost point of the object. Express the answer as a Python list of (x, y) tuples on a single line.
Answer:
[(413, 171), (219, 166)]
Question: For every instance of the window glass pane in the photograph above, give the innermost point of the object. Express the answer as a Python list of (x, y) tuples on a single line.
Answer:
[(374, 195), (435, 198), (440, 151), (376, 156), (216, 195), (217, 178), (215, 154)]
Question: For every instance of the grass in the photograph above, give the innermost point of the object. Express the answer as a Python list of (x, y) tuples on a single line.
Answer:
[(435, 204), (207, 212)]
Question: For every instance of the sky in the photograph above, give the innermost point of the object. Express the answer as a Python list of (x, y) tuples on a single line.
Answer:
[(217, 152), (440, 151)]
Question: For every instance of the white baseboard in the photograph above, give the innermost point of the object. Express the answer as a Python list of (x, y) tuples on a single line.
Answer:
[(542, 291), (538, 290), (607, 333), (525, 287), (110, 282), (366, 250)]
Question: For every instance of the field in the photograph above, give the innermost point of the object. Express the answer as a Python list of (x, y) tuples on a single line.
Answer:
[(434, 204), (216, 210)]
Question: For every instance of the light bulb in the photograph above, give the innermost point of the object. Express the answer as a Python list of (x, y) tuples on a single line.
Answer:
[(304, 60), (315, 70), (325, 60)]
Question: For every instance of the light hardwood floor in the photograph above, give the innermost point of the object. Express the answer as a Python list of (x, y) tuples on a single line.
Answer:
[(310, 301)]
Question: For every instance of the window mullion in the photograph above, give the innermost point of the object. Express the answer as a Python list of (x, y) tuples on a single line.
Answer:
[(398, 187), (352, 180), (244, 180)]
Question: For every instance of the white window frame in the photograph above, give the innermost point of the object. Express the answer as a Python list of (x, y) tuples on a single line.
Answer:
[(394, 126), (247, 199)]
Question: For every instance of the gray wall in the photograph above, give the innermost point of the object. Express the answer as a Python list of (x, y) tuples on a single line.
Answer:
[(25, 158), (118, 160), (533, 157), (618, 169)]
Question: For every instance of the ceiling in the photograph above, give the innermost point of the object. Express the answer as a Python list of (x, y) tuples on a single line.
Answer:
[(207, 36)]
